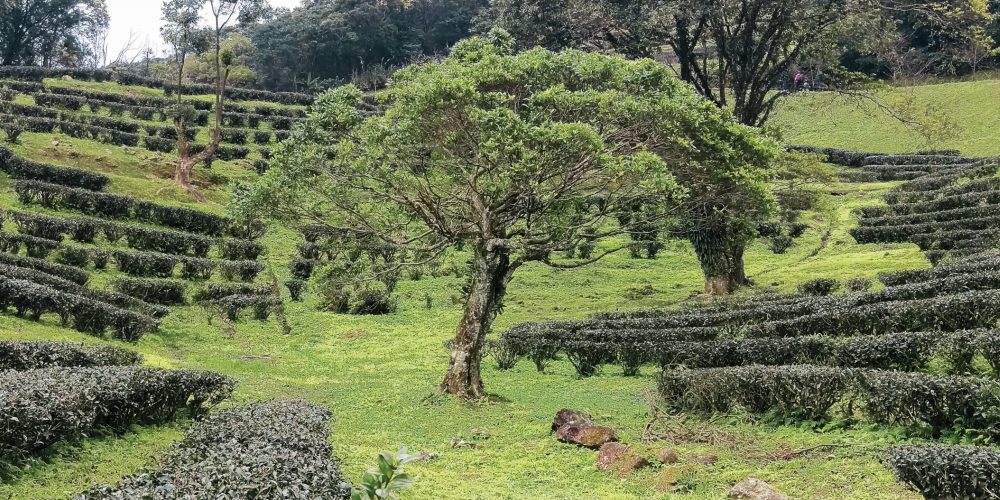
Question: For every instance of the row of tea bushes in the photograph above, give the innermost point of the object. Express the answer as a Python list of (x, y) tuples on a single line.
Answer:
[(168, 293), (68, 273), (32, 300), (20, 168), (849, 158), (85, 230), (980, 263), (939, 404), (37, 74), (40, 407), (75, 130), (276, 449), (114, 298), (908, 351), (31, 355), (127, 99), (160, 265), (940, 471), (121, 207), (954, 302)]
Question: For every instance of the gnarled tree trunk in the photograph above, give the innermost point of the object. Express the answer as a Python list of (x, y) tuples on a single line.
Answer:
[(492, 274), (720, 253)]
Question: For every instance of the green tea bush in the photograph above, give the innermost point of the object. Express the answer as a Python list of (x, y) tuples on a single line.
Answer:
[(73, 256), (819, 287), (40, 407), (277, 449), (169, 293), (942, 471), (20, 168), (30, 355)]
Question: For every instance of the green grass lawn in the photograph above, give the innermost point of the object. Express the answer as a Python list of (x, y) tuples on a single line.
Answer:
[(379, 374)]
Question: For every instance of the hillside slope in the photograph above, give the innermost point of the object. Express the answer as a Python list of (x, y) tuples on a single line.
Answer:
[(966, 110), (379, 374)]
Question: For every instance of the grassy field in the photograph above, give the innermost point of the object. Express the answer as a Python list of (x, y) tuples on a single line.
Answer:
[(379, 374), (960, 116)]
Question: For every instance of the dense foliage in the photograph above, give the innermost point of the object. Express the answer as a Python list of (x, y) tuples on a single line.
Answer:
[(938, 471), (277, 449), (319, 43), (40, 407), (30, 355)]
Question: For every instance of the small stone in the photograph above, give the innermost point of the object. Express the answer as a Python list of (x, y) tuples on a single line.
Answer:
[(754, 489), (620, 458), (67, 78), (566, 416), (585, 435), (704, 459), (668, 456)]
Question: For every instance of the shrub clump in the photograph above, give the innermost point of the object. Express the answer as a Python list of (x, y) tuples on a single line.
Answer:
[(276, 449), (40, 407), (820, 287), (940, 471), (29, 355)]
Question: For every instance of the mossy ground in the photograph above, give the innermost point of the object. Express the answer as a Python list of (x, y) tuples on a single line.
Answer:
[(379, 374)]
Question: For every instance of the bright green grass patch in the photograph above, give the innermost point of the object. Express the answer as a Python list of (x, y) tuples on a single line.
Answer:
[(823, 119)]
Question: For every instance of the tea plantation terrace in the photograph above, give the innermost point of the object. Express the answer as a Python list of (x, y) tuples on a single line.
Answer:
[(921, 352), (49, 256)]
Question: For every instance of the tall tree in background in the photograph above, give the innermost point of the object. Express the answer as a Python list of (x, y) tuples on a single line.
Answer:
[(47, 32), (516, 158), (737, 53), (330, 41), (181, 30)]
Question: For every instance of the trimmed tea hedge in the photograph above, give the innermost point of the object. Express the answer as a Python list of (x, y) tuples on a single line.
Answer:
[(78, 276), (20, 168), (32, 300), (277, 449), (121, 207), (41, 407), (934, 402), (30, 355), (940, 471), (113, 298), (168, 293)]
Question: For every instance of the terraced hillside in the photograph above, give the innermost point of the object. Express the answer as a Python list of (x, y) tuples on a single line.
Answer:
[(92, 197)]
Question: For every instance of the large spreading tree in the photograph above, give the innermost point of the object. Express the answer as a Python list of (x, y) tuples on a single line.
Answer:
[(515, 158)]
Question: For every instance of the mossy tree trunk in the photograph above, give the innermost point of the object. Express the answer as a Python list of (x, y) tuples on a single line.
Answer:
[(720, 251), (493, 272)]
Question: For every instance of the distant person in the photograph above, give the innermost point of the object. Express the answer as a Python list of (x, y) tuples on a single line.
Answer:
[(799, 78)]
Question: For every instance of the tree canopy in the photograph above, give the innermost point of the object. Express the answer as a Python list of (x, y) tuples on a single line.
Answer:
[(48, 32), (515, 158), (331, 40)]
